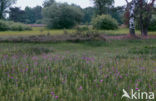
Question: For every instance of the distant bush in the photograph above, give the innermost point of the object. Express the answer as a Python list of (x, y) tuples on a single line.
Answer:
[(152, 26), (12, 26), (60, 16), (104, 22)]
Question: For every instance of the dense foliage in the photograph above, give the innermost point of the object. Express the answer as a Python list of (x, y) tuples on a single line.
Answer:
[(10, 25), (104, 22), (59, 15), (152, 26), (103, 6), (89, 12), (29, 15), (118, 13), (4, 5)]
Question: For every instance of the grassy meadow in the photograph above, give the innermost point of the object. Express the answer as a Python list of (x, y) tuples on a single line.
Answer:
[(82, 71), (45, 31)]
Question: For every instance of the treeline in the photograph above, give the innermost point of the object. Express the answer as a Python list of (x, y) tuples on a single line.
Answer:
[(35, 15), (27, 16), (103, 15)]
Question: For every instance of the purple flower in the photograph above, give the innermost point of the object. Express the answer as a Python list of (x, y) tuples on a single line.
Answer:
[(136, 85), (101, 80), (56, 97), (52, 93), (114, 94), (80, 88), (142, 68), (137, 88)]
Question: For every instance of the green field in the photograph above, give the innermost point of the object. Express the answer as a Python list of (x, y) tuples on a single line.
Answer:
[(83, 71), (44, 31)]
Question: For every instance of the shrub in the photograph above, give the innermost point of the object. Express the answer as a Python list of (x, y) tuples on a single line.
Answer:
[(3, 26), (12, 26), (152, 26), (60, 16), (104, 22)]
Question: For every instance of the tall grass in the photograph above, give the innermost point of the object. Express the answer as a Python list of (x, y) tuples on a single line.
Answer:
[(70, 72)]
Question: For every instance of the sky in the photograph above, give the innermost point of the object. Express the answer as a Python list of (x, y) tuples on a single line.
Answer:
[(83, 3)]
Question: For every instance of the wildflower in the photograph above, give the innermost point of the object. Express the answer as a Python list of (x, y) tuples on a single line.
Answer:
[(52, 93), (101, 80), (115, 94), (136, 85), (142, 68), (34, 58), (56, 97), (80, 88), (137, 88)]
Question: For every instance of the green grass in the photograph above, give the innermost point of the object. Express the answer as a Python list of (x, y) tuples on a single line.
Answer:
[(84, 71), (44, 31)]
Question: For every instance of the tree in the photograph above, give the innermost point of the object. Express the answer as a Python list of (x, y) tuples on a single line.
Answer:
[(118, 13), (4, 5), (33, 14), (131, 6), (144, 15), (29, 15), (17, 15), (89, 12), (62, 15), (103, 6), (47, 3)]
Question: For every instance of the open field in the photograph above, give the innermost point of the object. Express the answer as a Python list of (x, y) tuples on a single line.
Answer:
[(83, 71), (44, 31)]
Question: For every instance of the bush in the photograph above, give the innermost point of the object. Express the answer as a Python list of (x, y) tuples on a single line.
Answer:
[(3, 26), (104, 22), (60, 16), (12, 26), (152, 26)]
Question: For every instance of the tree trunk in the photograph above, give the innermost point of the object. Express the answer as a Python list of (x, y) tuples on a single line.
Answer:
[(1, 8), (131, 20), (144, 31)]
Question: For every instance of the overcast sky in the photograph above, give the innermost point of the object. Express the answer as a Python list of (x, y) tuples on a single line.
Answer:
[(82, 3)]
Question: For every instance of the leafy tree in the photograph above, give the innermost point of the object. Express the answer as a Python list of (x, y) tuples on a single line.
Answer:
[(33, 14), (142, 10), (29, 15), (89, 12), (47, 3), (4, 5), (144, 14), (17, 15), (118, 13), (103, 6), (62, 15)]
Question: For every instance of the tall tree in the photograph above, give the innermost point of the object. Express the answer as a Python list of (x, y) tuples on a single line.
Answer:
[(103, 6), (118, 13), (62, 15), (4, 5), (47, 3), (89, 12), (17, 15), (131, 6), (144, 14)]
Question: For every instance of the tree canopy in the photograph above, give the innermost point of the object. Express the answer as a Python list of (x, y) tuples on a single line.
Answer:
[(4, 5), (60, 15)]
